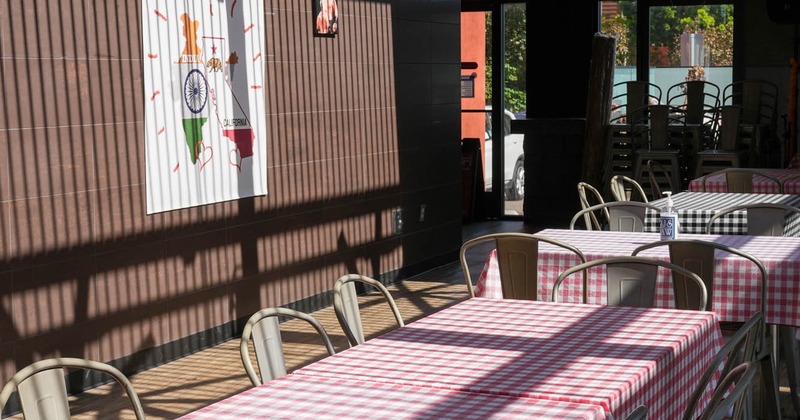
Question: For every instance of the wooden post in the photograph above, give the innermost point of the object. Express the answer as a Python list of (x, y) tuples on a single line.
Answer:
[(598, 108)]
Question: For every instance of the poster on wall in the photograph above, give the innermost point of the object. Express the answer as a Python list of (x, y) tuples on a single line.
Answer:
[(205, 117), (326, 17)]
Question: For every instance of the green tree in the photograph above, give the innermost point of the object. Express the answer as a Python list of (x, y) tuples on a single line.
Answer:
[(515, 63), (667, 24)]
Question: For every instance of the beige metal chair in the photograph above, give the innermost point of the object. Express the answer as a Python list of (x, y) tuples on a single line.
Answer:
[(739, 348), (631, 281), (662, 136), (631, 97), (740, 180), (699, 101), (623, 216), (43, 393), (589, 196), (624, 188), (759, 101), (517, 260), (345, 304), (764, 219), (640, 413), (725, 150), (264, 328), (698, 256), (769, 219), (731, 392)]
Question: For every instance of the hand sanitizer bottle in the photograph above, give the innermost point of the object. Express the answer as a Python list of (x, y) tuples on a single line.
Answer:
[(669, 219)]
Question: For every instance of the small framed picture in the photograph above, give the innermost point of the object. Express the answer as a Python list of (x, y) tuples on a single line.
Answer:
[(326, 17)]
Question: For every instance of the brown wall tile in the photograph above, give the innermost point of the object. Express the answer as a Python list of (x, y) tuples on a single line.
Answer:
[(77, 244)]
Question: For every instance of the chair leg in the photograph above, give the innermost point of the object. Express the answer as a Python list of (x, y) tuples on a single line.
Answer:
[(791, 355), (770, 400)]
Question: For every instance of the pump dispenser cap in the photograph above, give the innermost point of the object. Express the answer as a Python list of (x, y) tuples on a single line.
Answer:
[(669, 198)]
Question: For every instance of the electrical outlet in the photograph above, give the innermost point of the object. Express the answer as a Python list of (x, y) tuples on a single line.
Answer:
[(397, 221), (422, 209)]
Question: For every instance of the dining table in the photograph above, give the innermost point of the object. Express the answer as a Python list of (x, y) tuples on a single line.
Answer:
[(737, 291), (316, 398), (789, 178), (696, 208), (617, 358)]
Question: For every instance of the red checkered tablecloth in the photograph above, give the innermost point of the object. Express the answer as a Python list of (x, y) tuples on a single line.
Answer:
[(736, 294), (614, 357), (789, 177), (314, 398)]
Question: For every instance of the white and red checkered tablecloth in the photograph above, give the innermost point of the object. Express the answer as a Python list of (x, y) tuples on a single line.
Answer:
[(614, 357), (696, 208), (736, 294), (789, 177), (314, 398)]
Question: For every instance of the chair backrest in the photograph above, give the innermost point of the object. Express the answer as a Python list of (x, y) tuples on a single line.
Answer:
[(631, 281), (758, 99), (730, 394), (640, 413), (727, 128), (589, 196), (764, 219), (264, 328), (345, 304), (740, 180), (43, 393), (740, 348), (698, 99), (517, 259), (633, 95), (657, 127), (623, 216), (698, 256), (660, 179), (624, 188)]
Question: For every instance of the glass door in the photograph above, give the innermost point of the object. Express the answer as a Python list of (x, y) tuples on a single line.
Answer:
[(488, 85), (678, 41)]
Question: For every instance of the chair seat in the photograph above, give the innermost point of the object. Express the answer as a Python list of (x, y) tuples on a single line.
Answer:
[(720, 159), (670, 158)]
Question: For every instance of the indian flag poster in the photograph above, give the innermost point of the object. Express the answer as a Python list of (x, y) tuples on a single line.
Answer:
[(205, 116)]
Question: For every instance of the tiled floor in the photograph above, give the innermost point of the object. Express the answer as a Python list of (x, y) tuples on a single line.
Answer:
[(179, 387)]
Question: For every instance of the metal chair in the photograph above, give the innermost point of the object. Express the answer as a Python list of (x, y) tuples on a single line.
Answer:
[(731, 392), (43, 393), (769, 219), (699, 257), (624, 188), (759, 101), (660, 135), (740, 348), (345, 304), (631, 281), (725, 150), (633, 94), (623, 216), (264, 328), (699, 100), (740, 180), (517, 258), (764, 219), (640, 413), (589, 196)]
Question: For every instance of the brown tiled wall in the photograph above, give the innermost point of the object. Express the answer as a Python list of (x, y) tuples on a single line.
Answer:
[(358, 125)]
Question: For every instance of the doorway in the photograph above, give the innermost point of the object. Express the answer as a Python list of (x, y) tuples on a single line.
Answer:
[(493, 93)]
